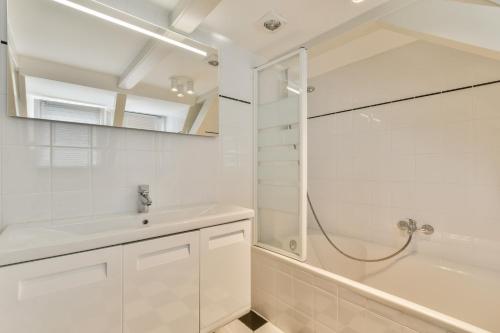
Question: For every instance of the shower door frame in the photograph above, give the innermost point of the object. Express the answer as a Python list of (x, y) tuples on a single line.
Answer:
[(302, 184)]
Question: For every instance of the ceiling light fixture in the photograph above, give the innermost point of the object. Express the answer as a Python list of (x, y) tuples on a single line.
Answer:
[(190, 87), (180, 90), (130, 26), (357, 1), (272, 24), (213, 60), (173, 84)]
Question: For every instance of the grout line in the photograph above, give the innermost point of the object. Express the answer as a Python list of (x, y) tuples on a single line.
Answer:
[(405, 99), (51, 138)]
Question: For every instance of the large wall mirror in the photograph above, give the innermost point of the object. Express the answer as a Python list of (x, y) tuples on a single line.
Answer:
[(82, 62)]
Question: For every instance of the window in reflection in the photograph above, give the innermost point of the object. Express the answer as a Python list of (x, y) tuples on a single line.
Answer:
[(67, 111), (144, 121)]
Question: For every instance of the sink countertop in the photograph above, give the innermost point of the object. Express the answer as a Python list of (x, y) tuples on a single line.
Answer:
[(32, 241)]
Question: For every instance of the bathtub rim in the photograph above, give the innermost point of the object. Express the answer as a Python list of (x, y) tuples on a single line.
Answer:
[(421, 312)]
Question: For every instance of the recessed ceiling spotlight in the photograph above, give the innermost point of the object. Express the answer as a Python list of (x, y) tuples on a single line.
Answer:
[(357, 1), (272, 24), (213, 60), (180, 95)]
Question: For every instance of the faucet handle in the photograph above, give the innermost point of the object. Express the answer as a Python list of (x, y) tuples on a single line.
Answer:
[(143, 188), (411, 226)]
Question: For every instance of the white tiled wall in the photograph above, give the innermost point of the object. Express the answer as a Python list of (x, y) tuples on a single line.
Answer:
[(435, 159), (300, 301), (52, 171)]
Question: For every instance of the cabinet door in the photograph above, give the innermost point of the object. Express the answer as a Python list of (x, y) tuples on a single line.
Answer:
[(76, 293), (225, 273), (161, 285)]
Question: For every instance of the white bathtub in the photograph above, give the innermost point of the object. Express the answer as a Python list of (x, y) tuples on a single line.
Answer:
[(453, 297), (467, 293)]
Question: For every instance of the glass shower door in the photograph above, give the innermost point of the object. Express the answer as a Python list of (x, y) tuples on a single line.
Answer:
[(280, 155)]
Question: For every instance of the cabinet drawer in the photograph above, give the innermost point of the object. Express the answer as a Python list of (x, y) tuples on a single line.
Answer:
[(73, 293)]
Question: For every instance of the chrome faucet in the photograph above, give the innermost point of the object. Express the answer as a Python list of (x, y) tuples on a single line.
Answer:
[(144, 199), (411, 227)]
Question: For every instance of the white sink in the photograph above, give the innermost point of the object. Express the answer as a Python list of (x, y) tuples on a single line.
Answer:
[(32, 241), (136, 221)]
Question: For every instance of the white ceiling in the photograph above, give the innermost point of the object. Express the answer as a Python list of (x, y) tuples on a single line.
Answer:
[(46, 30), (237, 20), (167, 4), (377, 40)]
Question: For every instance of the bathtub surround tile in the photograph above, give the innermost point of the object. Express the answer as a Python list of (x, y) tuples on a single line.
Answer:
[(303, 296), (441, 166), (326, 308), (335, 308), (292, 321)]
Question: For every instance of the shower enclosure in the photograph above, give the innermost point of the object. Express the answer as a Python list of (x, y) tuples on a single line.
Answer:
[(403, 162), (280, 155)]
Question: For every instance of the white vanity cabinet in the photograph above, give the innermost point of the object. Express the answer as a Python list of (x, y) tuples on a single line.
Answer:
[(224, 273), (161, 285), (189, 282), (77, 293)]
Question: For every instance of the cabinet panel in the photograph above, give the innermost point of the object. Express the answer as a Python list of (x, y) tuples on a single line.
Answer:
[(161, 285), (224, 273), (76, 293)]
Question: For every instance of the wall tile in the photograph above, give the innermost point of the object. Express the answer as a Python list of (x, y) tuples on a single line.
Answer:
[(70, 169), (21, 208), (25, 169), (26, 132), (108, 137), (66, 205), (141, 140), (71, 135)]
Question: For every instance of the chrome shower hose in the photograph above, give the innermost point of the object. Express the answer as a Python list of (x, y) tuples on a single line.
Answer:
[(408, 241)]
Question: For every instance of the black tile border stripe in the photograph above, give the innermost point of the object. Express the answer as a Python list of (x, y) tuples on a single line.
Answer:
[(405, 99), (235, 99), (4, 42)]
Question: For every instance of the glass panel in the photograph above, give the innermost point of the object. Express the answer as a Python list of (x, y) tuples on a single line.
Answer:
[(280, 151)]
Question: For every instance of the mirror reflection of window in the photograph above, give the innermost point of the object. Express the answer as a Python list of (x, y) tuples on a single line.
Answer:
[(144, 121), (67, 111)]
